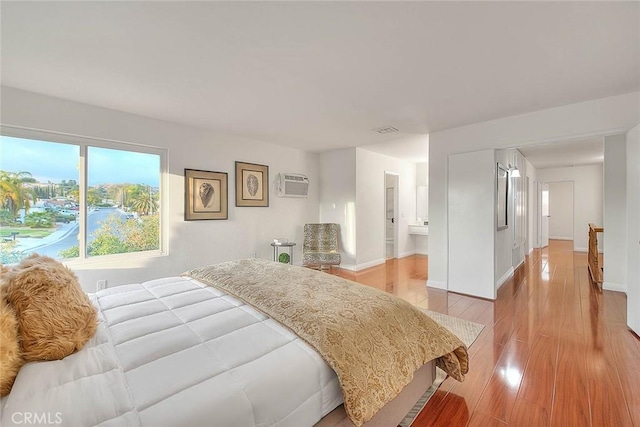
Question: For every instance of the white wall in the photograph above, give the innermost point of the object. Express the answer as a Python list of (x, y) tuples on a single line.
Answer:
[(338, 199), (519, 194), (422, 191), (472, 178), (600, 117), (421, 244), (561, 210), (370, 215), (503, 239), (587, 198), (532, 238), (614, 238), (353, 195), (633, 229), (422, 173), (193, 243), (422, 205)]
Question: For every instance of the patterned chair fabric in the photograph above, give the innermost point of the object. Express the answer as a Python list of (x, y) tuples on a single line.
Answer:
[(320, 246)]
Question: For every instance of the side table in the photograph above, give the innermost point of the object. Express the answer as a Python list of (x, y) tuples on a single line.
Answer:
[(276, 250)]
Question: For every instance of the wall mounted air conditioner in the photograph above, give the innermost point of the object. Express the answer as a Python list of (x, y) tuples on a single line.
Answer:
[(292, 185)]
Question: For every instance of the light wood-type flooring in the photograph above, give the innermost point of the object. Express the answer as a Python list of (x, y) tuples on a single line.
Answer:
[(555, 351)]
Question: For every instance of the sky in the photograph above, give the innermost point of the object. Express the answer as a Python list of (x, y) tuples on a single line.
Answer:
[(48, 161)]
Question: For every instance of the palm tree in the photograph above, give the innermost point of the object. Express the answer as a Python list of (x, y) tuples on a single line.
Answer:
[(121, 194), (13, 193), (144, 202)]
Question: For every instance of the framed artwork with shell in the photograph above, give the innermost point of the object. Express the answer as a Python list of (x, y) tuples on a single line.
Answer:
[(252, 184), (205, 195)]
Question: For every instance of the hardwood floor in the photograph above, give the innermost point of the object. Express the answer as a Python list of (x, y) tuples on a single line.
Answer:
[(555, 351)]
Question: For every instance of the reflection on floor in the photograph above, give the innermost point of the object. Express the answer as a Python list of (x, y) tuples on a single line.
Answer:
[(554, 350)]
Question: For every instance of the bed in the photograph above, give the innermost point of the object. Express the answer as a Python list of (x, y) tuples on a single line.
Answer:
[(186, 351)]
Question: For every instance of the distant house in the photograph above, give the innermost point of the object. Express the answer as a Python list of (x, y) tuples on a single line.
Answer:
[(60, 203)]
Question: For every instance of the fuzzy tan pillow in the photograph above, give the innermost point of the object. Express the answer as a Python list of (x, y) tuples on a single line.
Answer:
[(55, 317), (10, 358)]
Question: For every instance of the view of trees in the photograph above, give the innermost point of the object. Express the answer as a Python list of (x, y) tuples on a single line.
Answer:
[(64, 188), (119, 235), (14, 195), (135, 197), (8, 254), (47, 219), (39, 220), (120, 232)]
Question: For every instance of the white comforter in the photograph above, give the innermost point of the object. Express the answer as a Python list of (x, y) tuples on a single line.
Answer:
[(174, 352)]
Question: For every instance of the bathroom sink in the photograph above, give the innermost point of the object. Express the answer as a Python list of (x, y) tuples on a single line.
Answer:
[(419, 229)]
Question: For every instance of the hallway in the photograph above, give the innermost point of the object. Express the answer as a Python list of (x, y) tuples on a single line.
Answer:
[(554, 350)]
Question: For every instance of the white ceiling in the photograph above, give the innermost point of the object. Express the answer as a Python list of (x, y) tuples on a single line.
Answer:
[(567, 153), (323, 75), (413, 148)]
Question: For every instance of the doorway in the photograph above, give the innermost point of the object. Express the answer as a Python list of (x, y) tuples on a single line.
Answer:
[(390, 216), (561, 210), (543, 215), (556, 211)]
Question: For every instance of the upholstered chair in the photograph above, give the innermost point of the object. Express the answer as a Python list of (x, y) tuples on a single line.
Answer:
[(320, 248)]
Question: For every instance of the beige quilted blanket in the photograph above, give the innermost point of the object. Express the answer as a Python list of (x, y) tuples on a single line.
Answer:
[(374, 341)]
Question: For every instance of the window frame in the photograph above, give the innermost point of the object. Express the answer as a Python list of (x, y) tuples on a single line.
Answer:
[(83, 142)]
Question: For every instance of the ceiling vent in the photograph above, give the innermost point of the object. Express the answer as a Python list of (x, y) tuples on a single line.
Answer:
[(386, 129)]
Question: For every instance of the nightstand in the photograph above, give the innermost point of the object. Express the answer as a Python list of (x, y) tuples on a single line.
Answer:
[(276, 250)]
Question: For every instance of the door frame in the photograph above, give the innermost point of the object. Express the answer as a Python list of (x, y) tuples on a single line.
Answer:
[(395, 184), (573, 204), (540, 216)]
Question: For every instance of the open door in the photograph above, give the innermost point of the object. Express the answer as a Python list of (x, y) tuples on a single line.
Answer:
[(543, 203), (391, 218)]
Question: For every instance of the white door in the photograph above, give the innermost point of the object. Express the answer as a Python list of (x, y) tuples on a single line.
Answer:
[(633, 229), (391, 219), (527, 215), (519, 188), (633, 295), (561, 210), (543, 240)]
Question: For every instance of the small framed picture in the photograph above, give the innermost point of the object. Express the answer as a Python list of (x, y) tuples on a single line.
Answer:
[(205, 195), (252, 184)]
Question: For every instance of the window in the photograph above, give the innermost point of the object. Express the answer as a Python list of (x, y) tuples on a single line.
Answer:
[(43, 207)]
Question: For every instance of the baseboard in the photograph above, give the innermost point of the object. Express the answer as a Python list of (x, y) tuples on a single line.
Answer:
[(436, 284), (504, 277), (419, 252), (560, 238), (608, 286), (365, 265), (373, 263), (405, 254), (349, 267)]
